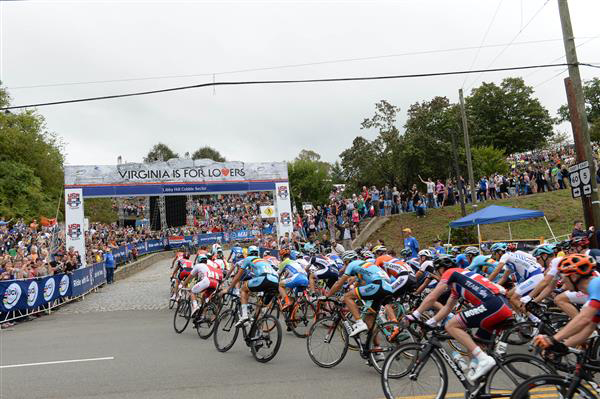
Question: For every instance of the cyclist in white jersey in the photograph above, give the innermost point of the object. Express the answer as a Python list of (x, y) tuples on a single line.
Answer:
[(524, 267)]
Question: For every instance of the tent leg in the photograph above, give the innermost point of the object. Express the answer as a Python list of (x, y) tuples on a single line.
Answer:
[(479, 236), (550, 228), (509, 232), (449, 233)]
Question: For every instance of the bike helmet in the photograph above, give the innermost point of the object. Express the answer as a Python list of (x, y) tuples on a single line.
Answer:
[(253, 250), (444, 261), (499, 246), (349, 255), (580, 242), (472, 251), (202, 258), (454, 250), (566, 245), (308, 247), (379, 248), (426, 253), (284, 253), (266, 252), (543, 249), (367, 254), (405, 252), (295, 255), (577, 264)]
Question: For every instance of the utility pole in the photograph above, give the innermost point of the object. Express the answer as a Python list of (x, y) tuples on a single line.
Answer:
[(579, 123), (457, 174), (463, 115)]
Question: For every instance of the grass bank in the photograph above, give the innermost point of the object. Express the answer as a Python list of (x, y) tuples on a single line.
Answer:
[(558, 206)]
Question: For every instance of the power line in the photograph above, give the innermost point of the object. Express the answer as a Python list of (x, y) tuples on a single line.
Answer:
[(268, 68), (551, 78), (487, 31), (514, 38), (275, 82)]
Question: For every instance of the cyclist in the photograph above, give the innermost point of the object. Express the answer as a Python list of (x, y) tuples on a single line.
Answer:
[(201, 251), (219, 259), (236, 254), (490, 310), (209, 276), (578, 275), (484, 265), (177, 258), (321, 268), (464, 260), (182, 270), (270, 258), (405, 254), (524, 267), (581, 245), (426, 257), (264, 279), (294, 274), (372, 284)]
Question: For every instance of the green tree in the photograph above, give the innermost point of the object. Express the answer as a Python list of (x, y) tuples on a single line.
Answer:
[(591, 93), (159, 152), (358, 164), (488, 160), (208, 153), (308, 155), (100, 210), (309, 181), (507, 117), (30, 151)]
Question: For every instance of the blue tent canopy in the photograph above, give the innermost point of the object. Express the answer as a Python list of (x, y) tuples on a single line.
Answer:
[(496, 214)]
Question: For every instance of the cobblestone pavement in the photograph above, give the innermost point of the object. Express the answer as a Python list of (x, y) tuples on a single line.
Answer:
[(145, 290)]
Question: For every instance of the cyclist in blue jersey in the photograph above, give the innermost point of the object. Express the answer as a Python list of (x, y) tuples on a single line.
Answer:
[(237, 253), (484, 265), (264, 279), (578, 275), (372, 284), (464, 260), (294, 276)]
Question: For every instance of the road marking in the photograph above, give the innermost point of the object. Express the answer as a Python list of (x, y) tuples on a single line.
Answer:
[(10, 366)]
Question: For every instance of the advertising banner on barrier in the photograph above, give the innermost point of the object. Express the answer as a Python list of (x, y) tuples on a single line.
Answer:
[(99, 274), (31, 293), (120, 255), (211, 238), (83, 280), (155, 245)]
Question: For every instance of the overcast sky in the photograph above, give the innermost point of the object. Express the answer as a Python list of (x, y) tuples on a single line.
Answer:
[(50, 42)]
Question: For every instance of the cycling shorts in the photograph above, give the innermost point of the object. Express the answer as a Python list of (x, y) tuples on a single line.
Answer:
[(298, 280), (326, 274), (184, 273), (528, 285), (265, 282), (485, 316), (206, 285), (377, 291), (403, 285), (577, 297)]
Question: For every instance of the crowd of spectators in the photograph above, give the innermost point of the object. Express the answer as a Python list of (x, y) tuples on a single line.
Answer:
[(132, 207)]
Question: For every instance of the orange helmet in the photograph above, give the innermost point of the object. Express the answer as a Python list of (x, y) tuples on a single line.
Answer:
[(284, 252), (577, 264)]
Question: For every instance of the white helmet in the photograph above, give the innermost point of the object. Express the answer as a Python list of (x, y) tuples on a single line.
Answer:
[(426, 253)]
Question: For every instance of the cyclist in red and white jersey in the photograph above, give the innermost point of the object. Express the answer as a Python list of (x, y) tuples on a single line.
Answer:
[(209, 276), (182, 270), (490, 310), (178, 257)]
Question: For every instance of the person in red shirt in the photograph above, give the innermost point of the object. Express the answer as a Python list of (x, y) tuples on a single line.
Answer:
[(490, 309)]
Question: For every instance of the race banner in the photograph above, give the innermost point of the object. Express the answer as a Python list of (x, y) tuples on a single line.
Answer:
[(83, 280), (74, 221), (284, 209), (32, 293)]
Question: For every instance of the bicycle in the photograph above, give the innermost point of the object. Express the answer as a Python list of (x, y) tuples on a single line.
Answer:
[(579, 384), (411, 359), (335, 330), (203, 320), (257, 337), (172, 301), (298, 316)]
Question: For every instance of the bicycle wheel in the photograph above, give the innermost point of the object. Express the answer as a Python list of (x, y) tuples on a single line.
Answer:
[(379, 345), (172, 302), (266, 338), (205, 322), (327, 342), (512, 371), (225, 331), (405, 375), (301, 318), (551, 386), (182, 316)]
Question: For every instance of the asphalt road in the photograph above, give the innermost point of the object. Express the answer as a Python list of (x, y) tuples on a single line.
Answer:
[(136, 354)]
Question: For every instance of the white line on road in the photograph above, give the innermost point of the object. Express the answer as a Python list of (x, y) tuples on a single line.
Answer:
[(10, 366)]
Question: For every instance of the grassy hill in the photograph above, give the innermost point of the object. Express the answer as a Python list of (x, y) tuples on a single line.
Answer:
[(558, 206)]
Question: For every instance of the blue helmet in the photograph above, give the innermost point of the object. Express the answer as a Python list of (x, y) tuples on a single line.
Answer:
[(480, 260), (499, 246), (294, 255), (543, 249)]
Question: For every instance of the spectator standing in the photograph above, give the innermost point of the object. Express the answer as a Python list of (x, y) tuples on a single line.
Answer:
[(375, 200), (109, 264), (439, 190), (387, 201), (411, 242), (430, 190)]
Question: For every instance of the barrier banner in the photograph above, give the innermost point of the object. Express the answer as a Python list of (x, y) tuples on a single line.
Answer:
[(141, 248), (99, 274), (155, 245), (120, 255), (83, 280), (31, 293), (209, 238)]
